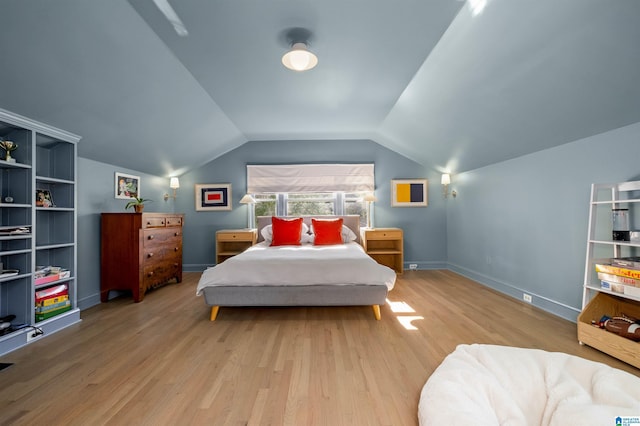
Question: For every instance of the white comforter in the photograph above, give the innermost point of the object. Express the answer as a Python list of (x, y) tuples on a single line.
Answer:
[(499, 385), (341, 264)]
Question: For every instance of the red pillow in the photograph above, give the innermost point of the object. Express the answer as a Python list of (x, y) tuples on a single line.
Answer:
[(286, 232), (327, 231)]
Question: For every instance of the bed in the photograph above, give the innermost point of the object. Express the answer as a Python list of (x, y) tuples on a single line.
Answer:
[(308, 274)]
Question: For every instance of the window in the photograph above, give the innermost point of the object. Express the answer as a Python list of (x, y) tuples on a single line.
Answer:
[(310, 189), (311, 204)]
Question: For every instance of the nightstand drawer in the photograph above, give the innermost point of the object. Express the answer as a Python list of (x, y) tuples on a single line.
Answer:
[(235, 236), (392, 234)]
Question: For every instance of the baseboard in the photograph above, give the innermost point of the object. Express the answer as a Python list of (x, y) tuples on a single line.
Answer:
[(195, 267), (89, 301), (561, 310), (425, 265)]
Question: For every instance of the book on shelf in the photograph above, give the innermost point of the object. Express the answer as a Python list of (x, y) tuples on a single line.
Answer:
[(54, 307), (626, 262), (612, 286), (58, 290), (15, 230), (617, 270), (45, 315), (48, 274), (52, 300), (618, 279)]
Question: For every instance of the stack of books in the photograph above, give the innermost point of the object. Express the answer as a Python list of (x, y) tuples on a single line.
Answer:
[(621, 275), (48, 274), (52, 301)]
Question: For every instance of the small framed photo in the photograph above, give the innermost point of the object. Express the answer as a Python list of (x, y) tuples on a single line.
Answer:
[(127, 186), (213, 197), (409, 193), (44, 198)]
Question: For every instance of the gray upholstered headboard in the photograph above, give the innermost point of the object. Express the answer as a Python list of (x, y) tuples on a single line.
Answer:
[(351, 221)]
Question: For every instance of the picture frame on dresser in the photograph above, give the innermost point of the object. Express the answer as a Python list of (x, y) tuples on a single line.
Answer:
[(213, 197), (126, 186), (409, 193)]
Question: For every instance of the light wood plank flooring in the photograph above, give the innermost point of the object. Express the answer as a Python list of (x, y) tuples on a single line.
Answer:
[(163, 362)]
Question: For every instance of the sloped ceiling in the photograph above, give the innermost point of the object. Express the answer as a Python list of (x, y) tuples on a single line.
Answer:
[(428, 79)]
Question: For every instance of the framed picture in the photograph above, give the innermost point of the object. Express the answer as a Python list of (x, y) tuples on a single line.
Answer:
[(127, 186), (409, 193), (44, 198), (213, 197)]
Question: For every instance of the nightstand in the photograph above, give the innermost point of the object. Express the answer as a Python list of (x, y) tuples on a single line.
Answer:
[(385, 246), (230, 242)]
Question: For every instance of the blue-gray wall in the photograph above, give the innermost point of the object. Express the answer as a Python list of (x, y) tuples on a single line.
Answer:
[(521, 225), (425, 233), (96, 194), (516, 226)]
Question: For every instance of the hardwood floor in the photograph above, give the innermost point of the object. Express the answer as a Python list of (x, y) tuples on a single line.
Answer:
[(163, 362)]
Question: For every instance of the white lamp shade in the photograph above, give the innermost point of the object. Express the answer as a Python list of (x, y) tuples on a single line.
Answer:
[(299, 58), (446, 179), (370, 198), (174, 183), (247, 199)]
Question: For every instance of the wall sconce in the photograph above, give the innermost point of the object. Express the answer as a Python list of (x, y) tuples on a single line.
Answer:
[(174, 183), (369, 199), (446, 181), (249, 201)]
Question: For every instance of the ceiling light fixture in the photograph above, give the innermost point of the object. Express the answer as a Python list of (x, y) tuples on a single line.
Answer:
[(299, 58)]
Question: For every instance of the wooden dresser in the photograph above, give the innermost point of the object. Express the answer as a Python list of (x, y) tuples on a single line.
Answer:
[(139, 251)]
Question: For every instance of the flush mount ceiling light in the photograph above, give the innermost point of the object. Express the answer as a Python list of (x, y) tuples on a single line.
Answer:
[(299, 58)]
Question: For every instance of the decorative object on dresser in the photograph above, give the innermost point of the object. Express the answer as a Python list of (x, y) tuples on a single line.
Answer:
[(230, 242), (409, 193), (139, 251), (213, 197), (385, 245), (137, 204)]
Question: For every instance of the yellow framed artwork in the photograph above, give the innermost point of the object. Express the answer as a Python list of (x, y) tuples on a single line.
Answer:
[(408, 192)]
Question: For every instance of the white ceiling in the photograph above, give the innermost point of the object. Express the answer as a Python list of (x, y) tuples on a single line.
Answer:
[(425, 78)]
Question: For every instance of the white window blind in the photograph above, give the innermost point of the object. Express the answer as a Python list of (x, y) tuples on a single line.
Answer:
[(310, 178)]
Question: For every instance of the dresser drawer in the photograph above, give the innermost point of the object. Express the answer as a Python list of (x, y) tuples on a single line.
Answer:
[(159, 273), (153, 237), (393, 234), (174, 221), (154, 222)]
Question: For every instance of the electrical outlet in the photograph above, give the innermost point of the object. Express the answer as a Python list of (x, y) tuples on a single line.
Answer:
[(413, 266), (33, 334), (527, 298)]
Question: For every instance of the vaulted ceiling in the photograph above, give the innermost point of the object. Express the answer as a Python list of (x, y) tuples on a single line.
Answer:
[(428, 79)]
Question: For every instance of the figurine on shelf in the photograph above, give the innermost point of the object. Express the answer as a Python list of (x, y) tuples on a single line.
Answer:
[(8, 146)]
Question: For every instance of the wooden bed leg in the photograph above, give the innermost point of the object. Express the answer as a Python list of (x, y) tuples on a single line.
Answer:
[(376, 311), (214, 312)]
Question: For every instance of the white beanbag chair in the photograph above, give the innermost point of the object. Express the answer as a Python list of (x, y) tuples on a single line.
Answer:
[(499, 385)]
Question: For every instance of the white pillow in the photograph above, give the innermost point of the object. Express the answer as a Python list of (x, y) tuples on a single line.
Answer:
[(347, 234), (267, 233)]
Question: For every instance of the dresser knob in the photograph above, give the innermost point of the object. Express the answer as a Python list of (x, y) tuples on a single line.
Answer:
[(150, 255), (151, 237), (150, 274), (176, 234)]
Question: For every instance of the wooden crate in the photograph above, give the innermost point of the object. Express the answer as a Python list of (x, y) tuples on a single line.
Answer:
[(604, 304)]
